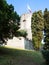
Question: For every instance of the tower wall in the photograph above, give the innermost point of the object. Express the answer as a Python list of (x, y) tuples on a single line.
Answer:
[(25, 24)]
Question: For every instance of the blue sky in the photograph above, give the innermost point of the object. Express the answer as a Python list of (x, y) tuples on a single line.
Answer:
[(20, 6)]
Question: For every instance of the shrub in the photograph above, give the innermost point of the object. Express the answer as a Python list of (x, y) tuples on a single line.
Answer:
[(46, 56), (22, 33)]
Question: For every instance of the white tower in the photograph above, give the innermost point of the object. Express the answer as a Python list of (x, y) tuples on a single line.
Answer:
[(25, 24)]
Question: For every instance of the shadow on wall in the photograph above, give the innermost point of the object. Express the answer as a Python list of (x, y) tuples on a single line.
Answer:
[(28, 44)]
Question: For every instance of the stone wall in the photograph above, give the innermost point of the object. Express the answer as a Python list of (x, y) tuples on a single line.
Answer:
[(20, 43), (16, 42)]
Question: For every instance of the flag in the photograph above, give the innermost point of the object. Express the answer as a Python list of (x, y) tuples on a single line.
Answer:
[(28, 7)]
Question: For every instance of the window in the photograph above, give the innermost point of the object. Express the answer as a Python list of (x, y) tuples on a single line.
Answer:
[(24, 20)]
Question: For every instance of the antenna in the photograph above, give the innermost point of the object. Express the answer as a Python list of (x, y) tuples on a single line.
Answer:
[(29, 9)]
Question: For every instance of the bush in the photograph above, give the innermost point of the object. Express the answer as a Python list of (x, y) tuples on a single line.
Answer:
[(22, 33), (46, 56)]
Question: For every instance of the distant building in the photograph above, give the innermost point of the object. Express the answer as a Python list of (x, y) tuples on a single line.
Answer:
[(21, 42)]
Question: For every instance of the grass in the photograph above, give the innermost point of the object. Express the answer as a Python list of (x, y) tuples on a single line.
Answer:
[(9, 56)]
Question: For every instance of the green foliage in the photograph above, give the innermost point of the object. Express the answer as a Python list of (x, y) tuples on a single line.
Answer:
[(22, 33), (37, 25), (46, 56), (46, 38), (9, 21), (46, 29)]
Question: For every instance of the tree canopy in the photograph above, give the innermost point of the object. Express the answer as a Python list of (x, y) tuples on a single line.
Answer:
[(46, 29), (37, 25), (9, 21)]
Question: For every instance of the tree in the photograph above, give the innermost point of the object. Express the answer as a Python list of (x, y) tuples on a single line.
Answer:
[(46, 38), (37, 25), (46, 29), (9, 21)]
